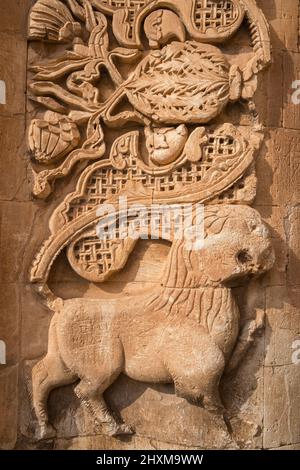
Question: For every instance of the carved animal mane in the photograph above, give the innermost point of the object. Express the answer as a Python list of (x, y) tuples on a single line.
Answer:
[(182, 294)]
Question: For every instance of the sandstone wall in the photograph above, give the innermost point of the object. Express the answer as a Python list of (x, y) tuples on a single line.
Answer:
[(263, 395)]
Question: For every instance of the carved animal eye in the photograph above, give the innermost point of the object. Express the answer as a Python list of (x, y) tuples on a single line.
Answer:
[(244, 257), (252, 225)]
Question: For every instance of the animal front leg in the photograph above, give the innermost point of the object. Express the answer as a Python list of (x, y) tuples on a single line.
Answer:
[(196, 365), (245, 341), (91, 397)]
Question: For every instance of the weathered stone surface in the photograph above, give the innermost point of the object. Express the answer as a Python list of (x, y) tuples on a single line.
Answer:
[(34, 325), (282, 16), (17, 227), (261, 395), (282, 416), (10, 321), (243, 389), (12, 47), (292, 447), (268, 99), (8, 407), (13, 20), (193, 427), (293, 231), (12, 136), (276, 218), (291, 111), (282, 325), (106, 443), (278, 164), (152, 340)]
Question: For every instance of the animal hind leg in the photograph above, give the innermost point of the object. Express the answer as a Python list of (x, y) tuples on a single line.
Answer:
[(90, 394), (48, 374)]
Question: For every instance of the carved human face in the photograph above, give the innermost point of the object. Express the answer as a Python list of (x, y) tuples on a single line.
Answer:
[(237, 245)]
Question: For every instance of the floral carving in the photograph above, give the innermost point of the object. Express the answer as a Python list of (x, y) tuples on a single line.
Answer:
[(53, 137), (139, 92)]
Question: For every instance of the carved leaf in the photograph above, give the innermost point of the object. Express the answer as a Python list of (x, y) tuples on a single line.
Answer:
[(51, 20), (183, 83), (61, 66)]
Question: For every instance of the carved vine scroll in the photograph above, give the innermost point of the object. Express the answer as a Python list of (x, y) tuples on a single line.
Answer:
[(138, 92)]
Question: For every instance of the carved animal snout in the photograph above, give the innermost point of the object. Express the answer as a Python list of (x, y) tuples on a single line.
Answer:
[(267, 259), (259, 256), (265, 251)]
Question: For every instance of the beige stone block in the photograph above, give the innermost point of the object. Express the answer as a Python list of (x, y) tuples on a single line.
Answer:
[(293, 228), (282, 325), (8, 406), (278, 168), (18, 222), (270, 89), (278, 8), (14, 161), (281, 398), (34, 324), (13, 47), (276, 218), (9, 321), (291, 111), (13, 18), (156, 412), (282, 16), (284, 30), (277, 276), (242, 390)]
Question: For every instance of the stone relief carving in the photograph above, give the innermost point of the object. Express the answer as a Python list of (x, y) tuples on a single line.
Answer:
[(137, 92), (183, 333)]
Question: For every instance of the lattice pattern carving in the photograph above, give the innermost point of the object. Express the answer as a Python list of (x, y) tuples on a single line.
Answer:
[(108, 182), (140, 88), (212, 14), (93, 256)]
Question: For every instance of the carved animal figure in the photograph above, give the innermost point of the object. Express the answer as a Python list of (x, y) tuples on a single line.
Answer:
[(182, 333)]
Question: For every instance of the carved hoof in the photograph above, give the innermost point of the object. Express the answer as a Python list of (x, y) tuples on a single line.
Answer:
[(46, 431), (120, 430)]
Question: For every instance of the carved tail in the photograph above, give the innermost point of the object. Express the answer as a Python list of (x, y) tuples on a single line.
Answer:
[(51, 301)]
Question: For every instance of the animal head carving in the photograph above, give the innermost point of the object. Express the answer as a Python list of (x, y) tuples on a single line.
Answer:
[(236, 244)]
